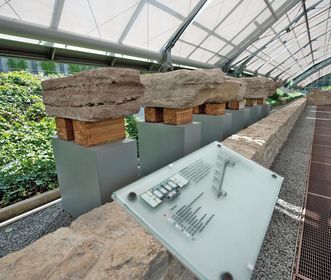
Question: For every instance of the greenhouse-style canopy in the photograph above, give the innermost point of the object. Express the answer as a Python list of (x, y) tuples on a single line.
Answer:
[(277, 38)]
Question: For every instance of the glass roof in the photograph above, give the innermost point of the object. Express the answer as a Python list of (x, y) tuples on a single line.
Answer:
[(268, 37), (315, 76)]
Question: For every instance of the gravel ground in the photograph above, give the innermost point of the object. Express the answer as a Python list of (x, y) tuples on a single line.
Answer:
[(277, 254), (27, 230)]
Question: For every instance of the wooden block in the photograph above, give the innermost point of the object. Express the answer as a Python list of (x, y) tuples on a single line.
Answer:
[(64, 129), (261, 101), (153, 114), (93, 133), (196, 109), (200, 109), (215, 109), (251, 102), (177, 116), (236, 105)]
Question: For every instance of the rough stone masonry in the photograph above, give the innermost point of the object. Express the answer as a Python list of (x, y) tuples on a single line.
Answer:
[(259, 87), (107, 243), (186, 88), (94, 95)]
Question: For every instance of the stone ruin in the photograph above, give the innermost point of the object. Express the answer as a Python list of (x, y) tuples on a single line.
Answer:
[(103, 93), (259, 87), (188, 88)]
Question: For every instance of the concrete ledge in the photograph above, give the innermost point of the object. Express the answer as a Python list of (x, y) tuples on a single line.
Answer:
[(26, 205), (106, 243)]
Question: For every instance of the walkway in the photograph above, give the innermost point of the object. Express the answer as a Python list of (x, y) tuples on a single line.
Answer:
[(314, 251)]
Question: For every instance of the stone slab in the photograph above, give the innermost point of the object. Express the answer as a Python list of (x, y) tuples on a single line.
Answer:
[(260, 87), (94, 95), (183, 88), (160, 144), (88, 176)]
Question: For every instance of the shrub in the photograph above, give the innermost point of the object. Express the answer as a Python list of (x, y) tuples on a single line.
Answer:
[(49, 67), (26, 158), (15, 64), (131, 127), (75, 68)]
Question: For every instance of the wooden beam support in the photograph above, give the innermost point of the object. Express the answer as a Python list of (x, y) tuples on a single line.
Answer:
[(64, 129), (177, 116), (236, 105), (251, 102), (215, 109), (261, 101), (153, 114), (94, 133)]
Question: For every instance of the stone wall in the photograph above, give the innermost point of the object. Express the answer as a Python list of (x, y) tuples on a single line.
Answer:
[(318, 97), (262, 140), (107, 243)]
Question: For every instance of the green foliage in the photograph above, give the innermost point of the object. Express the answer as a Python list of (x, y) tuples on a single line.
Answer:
[(131, 127), (15, 64), (49, 67), (26, 160), (281, 97), (75, 68)]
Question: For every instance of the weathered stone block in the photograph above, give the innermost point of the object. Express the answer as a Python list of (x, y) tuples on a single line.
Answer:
[(94, 95), (182, 88), (259, 87)]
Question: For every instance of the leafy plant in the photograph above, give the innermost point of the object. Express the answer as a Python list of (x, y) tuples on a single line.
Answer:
[(49, 67), (15, 64), (131, 127), (75, 68), (26, 159)]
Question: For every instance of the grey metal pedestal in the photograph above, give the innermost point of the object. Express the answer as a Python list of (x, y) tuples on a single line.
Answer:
[(88, 176), (265, 110), (259, 112), (227, 128), (253, 115), (213, 128), (161, 144), (240, 119)]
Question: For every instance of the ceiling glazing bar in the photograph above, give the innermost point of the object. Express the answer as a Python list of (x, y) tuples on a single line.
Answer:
[(166, 49), (272, 11), (311, 70), (288, 5), (132, 20), (308, 29), (246, 60), (57, 13)]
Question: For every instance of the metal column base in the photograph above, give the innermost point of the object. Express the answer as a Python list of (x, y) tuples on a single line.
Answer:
[(239, 119), (160, 144), (253, 115), (265, 110), (213, 128), (88, 176)]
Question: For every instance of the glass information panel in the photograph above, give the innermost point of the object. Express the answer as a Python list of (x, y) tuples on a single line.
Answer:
[(210, 209)]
